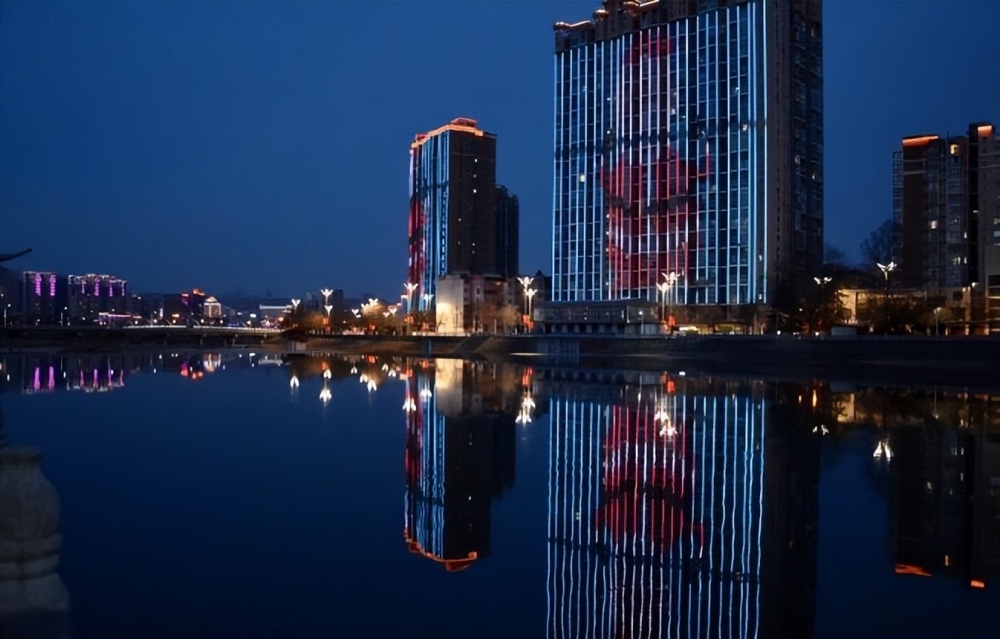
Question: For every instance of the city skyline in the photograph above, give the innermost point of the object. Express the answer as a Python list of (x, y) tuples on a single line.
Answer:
[(233, 146)]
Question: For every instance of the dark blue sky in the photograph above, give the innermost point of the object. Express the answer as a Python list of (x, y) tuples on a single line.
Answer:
[(263, 145)]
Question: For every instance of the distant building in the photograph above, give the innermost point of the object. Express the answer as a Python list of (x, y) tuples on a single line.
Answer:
[(455, 224), (11, 293), (90, 295), (44, 297)]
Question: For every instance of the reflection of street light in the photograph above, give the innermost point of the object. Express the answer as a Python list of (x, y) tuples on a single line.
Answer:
[(328, 308), (529, 293), (527, 406)]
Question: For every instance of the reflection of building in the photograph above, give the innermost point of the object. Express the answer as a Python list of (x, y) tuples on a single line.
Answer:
[(688, 139), (455, 226), (945, 500), (657, 527), (459, 456)]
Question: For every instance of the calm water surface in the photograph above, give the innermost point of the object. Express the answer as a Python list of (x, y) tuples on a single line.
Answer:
[(236, 495)]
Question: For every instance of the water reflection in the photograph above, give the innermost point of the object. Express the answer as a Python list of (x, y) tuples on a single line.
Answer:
[(459, 457), (676, 506)]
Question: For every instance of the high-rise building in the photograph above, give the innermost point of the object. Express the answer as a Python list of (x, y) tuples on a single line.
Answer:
[(688, 141), (987, 199), (946, 205), (455, 226), (508, 227)]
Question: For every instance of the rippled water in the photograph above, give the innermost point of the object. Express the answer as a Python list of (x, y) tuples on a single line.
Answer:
[(238, 495)]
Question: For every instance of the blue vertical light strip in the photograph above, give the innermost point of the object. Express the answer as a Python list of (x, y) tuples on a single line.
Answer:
[(763, 135), (557, 287)]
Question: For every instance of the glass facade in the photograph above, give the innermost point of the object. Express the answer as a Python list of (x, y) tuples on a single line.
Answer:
[(662, 148)]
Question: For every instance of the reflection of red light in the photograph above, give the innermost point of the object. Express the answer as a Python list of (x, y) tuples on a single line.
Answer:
[(908, 569), (671, 386), (184, 369), (975, 583), (644, 491)]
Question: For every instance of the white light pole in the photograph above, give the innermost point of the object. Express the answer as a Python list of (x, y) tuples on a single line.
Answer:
[(525, 284), (530, 293), (663, 287), (326, 295), (886, 269), (410, 288), (670, 279)]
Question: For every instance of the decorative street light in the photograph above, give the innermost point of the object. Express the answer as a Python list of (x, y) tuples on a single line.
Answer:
[(529, 293), (663, 287), (526, 284), (886, 269), (326, 295), (670, 279), (410, 288)]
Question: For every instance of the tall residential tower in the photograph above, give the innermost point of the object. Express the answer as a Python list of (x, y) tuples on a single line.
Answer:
[(455, 224), (688, 147), (946, 205)]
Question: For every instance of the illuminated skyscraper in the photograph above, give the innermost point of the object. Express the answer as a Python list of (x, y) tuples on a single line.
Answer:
[(688, 140), (454, 223)]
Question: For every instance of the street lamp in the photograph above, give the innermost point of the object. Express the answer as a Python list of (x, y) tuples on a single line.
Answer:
[(886, 269), (410, 287), (937, 326), (326, 295), (663, 287), (670, 279), (526, 284)]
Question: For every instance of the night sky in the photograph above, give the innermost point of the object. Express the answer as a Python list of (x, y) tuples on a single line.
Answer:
[(262, 147)]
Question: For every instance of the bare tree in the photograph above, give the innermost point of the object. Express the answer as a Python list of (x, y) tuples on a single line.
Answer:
[(880, 245)]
